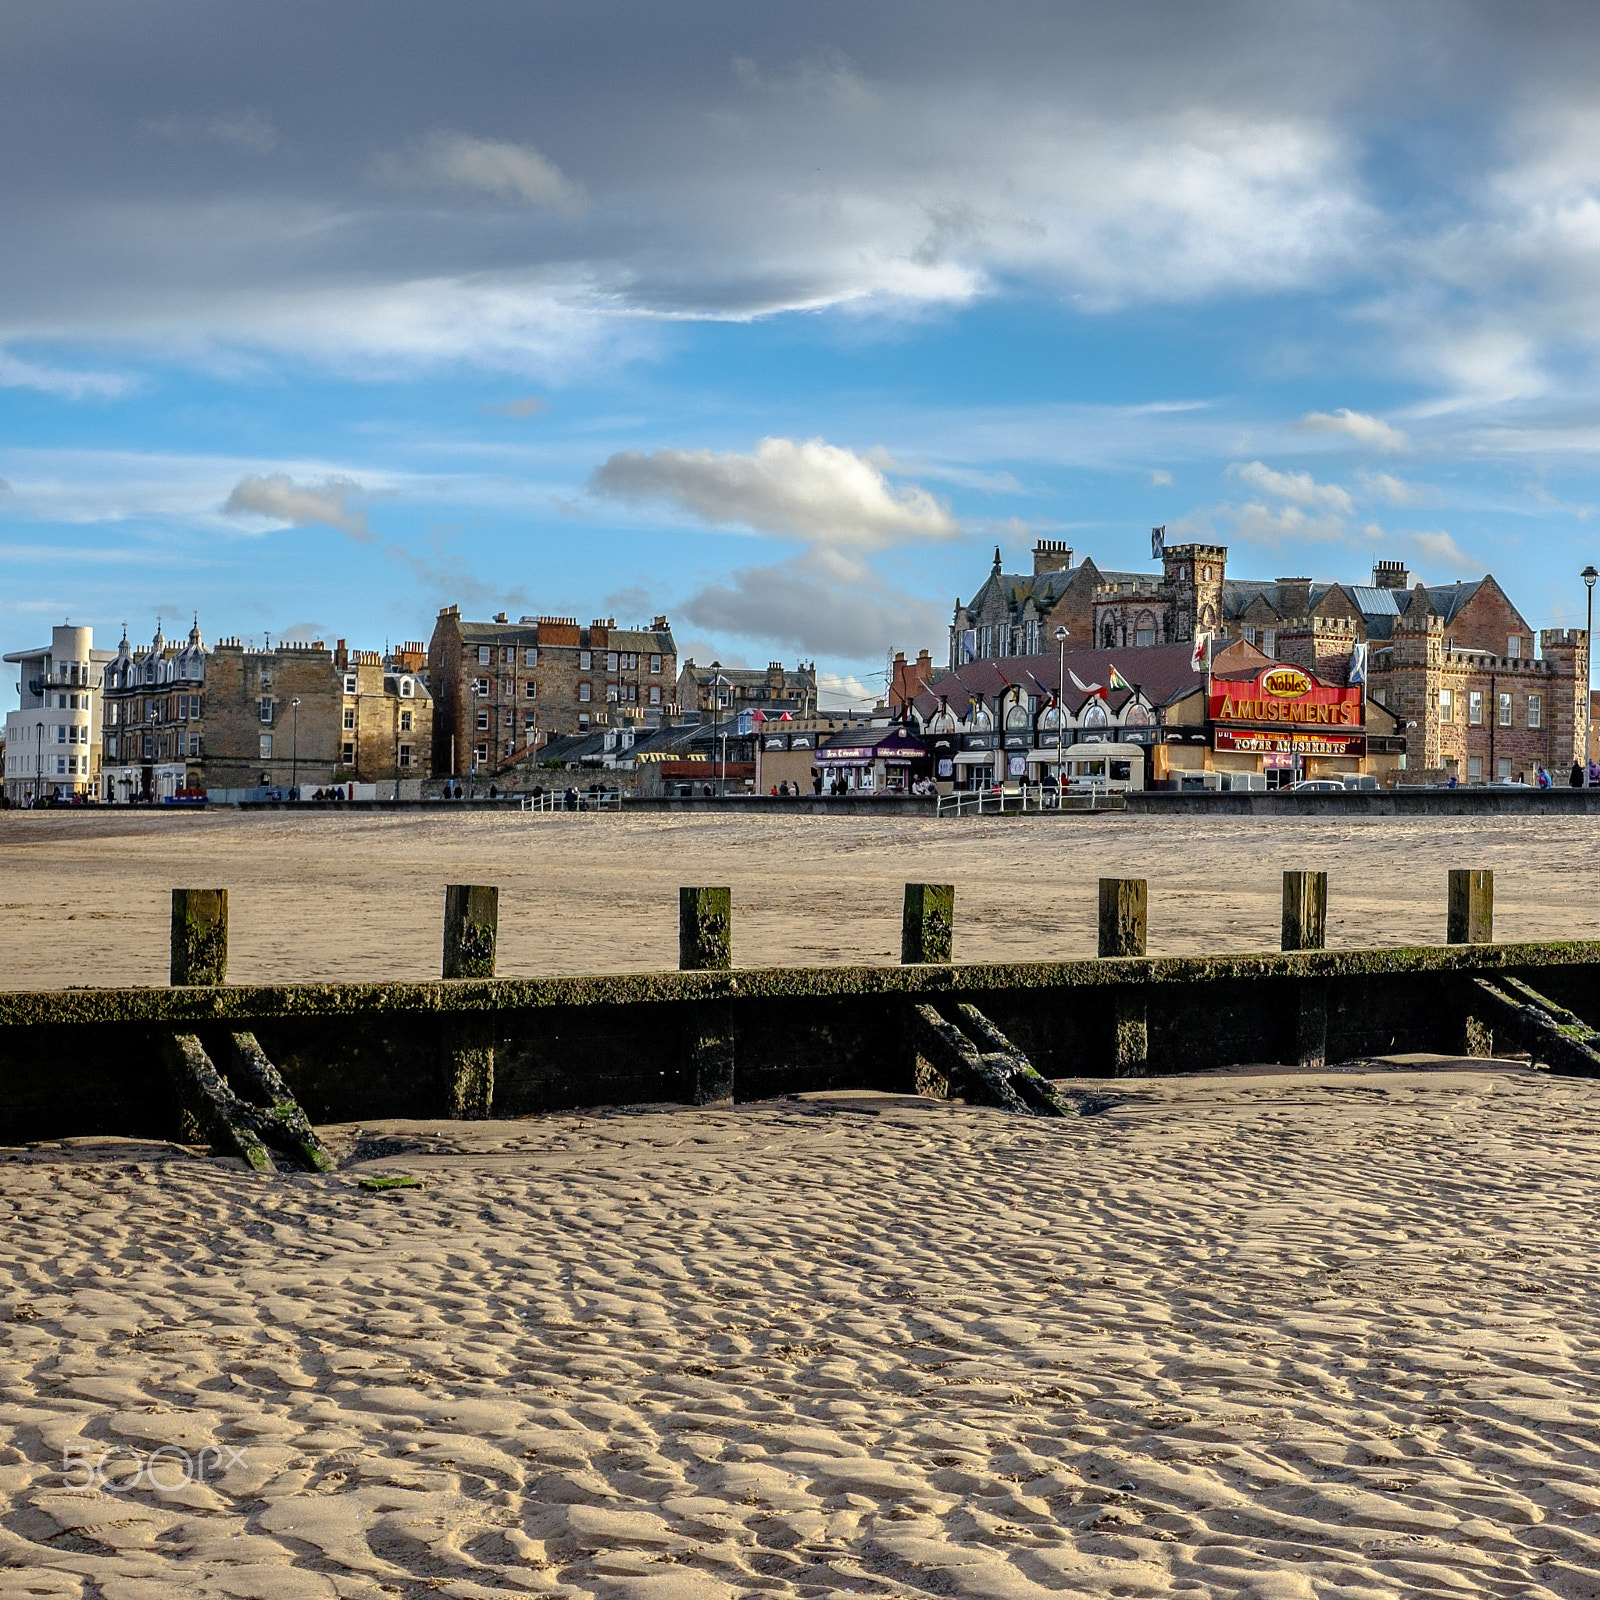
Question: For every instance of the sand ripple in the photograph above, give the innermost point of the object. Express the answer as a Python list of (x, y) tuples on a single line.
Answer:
[(1258, 1337)]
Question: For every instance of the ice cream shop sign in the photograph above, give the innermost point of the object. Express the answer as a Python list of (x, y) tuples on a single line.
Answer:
[(1282, 711)]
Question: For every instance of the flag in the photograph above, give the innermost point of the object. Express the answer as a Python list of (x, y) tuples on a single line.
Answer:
[(1086, 688), (1118, 681), (1197, 662), (759, 716), (969, 645), (788, 716), (1358, 666), (1158, 542)]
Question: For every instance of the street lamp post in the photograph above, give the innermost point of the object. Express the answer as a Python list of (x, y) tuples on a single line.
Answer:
[(38, 761), (1588, 575), (294, 750), (716, 723), (1061, 711)]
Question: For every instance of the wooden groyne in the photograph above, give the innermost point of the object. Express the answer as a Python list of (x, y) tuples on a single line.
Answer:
[(103, 1061)]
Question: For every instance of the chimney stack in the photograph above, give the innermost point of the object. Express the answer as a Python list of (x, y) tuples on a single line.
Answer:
[(1390, 575), (1051, 555)]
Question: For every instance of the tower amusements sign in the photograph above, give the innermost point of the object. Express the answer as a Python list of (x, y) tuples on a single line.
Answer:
[(1286, 711)]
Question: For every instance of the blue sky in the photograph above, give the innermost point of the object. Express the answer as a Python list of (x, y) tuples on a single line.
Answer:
[(777, 319)]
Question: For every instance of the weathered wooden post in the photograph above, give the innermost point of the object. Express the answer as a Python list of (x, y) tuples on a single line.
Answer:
[(1123, 903), (705, 944), (199, 936), (1123, 906), (705, 929), (1471, 916), (471, 932), (471, 924), (1305, 911), (1305, 927), (927, 923)]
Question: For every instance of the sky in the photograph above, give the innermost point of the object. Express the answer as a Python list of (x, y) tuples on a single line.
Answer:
[(778, 318)]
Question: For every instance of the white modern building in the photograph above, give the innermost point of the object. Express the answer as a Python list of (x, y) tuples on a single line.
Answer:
[(53, 738)]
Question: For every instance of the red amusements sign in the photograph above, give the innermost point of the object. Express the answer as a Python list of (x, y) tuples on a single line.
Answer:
[(1285, 696)]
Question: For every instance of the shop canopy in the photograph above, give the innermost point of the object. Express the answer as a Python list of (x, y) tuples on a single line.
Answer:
[(866, 748)]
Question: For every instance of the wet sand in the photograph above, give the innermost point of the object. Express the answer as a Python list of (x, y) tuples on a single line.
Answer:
[(85, 898), (1262, 1337)]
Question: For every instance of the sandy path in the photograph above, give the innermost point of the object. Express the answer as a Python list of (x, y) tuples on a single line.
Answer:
[(1248, 1337), (85, 898)]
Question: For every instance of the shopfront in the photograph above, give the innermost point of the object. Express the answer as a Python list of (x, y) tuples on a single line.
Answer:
[(873, 760), (1287, 725)]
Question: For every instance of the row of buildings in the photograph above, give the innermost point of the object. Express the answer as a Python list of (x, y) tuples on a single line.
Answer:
[(178, 719), (1197, 672), (1453, 681)]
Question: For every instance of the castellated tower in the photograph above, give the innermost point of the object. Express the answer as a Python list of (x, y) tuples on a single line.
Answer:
[(1566, 655), (1409, 673), (1319, 645), (1194, 572)]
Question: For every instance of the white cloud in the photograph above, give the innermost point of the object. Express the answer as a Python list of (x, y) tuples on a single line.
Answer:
[(1281, 527), (1160, 478), (844, 692), (1441, 547), (494, 167), (824, 601), (1369, 430), (529, 406), (1300, 487), (278, 497), (809, 490), (1396, 491), (15, 374), (247, 129)]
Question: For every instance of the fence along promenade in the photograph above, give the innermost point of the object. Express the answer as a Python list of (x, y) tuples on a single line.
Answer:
[(251, 1069)]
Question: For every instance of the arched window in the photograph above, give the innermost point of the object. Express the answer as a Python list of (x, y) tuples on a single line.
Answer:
[(1108, 635), (1016, 715), (982, 717), (1049, 719), (1095, 715)]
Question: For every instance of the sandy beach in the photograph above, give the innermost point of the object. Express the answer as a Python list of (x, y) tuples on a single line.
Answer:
[(86, 898), (1277, 1337)]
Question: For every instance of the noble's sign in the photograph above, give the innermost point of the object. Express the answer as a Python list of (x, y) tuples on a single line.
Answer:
[(1279, 695)]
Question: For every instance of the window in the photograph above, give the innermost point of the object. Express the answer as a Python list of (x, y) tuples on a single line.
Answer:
[(349, 717), (655, 694), (1514, 649), (266, 711), (585, 693), (1504, 710), (347, 754), (150, 744), (408, 688), (1475, 708), (1502, 769), (530, 719), (483, 720), (585, 660), (485, 655), (530, 658), (655, 663), (1447, 705), (508, 717), (349, 683), (480, 686), (611, 660), (481, 755), (405, 755), (583, 720), (266, 747), (194, 744), (266, 677), (1144, 637), (196, 705), (510, 748), (405, 722), (530, 690), (1249, 634), (507, 688), (611, 693), (1474, 769), (61, 766), (508, 654), (61, 733), (1535, 710)]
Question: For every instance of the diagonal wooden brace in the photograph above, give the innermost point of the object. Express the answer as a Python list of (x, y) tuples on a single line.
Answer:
[(1548, 1032)]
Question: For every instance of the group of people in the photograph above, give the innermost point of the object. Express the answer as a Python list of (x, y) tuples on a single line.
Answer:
[(788, 791)]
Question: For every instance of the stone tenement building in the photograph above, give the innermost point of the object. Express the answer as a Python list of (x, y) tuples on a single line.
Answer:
[(1456, 663), (185, 717), (749, 688), (502, 689)]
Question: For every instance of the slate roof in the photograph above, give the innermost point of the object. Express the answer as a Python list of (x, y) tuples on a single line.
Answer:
[(1163, 672)]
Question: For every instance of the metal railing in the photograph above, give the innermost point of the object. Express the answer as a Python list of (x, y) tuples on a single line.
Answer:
[(576, 800), (992, 802)]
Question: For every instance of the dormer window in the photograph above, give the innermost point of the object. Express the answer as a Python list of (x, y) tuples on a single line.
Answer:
[(408, 688), (349, 683)]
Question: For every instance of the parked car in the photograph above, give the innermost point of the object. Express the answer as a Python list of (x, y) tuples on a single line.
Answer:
[(1319, 786)]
